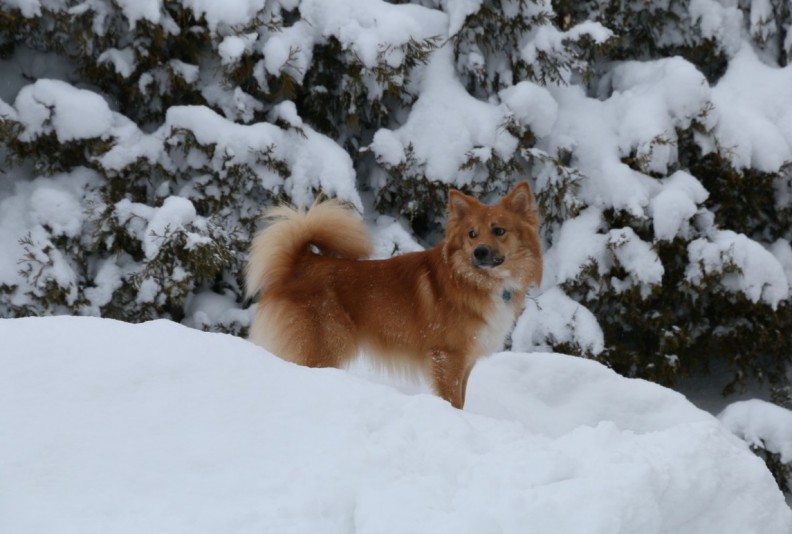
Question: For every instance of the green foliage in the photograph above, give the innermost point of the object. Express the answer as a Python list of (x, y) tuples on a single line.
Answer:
[(782, 472), (646, 30), (556, 188), (349, 101), (745, 200)]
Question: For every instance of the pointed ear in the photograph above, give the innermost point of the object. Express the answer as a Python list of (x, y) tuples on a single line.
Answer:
[(459, 204), (520, 200)]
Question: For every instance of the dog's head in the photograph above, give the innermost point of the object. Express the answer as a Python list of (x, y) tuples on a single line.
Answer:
[(495, 245)]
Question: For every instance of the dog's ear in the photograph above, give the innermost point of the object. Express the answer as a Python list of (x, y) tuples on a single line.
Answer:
[(520, 200), (459, 204)]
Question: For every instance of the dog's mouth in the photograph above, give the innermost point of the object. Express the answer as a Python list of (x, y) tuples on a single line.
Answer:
[(487, 258)]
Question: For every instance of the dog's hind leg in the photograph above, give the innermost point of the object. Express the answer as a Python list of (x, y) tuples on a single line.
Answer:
[(322, 336), (299, 333)]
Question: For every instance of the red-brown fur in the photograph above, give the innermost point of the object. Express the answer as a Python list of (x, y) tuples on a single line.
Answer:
[(435, 311)]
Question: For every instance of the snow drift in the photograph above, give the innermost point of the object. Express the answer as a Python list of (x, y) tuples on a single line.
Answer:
[(111, 427)]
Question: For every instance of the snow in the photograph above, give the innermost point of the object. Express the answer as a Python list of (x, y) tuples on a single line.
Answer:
[(189, 73), (107, 280), (289, 50), (591, 128), (675, 204), (759, 275), (53, 205), (783, 253), (28, 8), (640, 107), (547, 39), (362, 26), (655, 98), (228, 12), (391, 238), (55, 106), (532, 105), (208, 309), (316, 162), (197, 432), (388, 148), (174, 215), (720, 21), (136, 10), (445, 125), (553, 317), (123, 61), (762, 424), (54, 202), (160, 428), (636, 256), (233, 47), (633, 112), (755, 112), (646, 103), (579, 243), (458, 11)]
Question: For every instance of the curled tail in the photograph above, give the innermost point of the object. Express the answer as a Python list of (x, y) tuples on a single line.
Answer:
[(333, 228)]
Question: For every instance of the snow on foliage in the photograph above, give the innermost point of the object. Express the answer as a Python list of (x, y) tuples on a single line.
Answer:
[(753, 114), (447, 125), (554, 320), (54, 106), (156, 427), (676, 203), (756, 272), (761, 424)]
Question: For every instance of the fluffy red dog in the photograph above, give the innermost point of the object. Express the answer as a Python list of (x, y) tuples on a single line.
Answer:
[(435, 311)]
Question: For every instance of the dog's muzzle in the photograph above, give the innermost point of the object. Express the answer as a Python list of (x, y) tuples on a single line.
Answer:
[(484, 256)]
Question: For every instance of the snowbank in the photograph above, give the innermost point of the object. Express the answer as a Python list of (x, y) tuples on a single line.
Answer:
[(110, 427)]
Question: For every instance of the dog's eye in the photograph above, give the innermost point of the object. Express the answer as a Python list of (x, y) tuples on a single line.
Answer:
[(472, 234), (498, 231)]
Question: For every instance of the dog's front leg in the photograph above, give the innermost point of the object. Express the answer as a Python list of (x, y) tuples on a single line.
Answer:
[(450, 372)]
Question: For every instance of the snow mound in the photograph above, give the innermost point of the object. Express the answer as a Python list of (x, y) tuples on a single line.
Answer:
[(158, 428)]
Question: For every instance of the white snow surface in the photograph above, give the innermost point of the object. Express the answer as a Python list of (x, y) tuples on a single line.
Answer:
[(112, 427)]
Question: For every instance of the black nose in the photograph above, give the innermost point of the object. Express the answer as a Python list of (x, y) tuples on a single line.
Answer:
[(482, 254)]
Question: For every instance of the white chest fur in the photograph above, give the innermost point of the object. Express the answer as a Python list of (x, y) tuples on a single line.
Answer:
[(500, 321)]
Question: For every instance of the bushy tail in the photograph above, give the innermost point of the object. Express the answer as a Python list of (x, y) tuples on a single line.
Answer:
[(332, 227)]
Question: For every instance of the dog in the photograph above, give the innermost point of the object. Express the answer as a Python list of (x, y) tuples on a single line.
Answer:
[(321, 302)]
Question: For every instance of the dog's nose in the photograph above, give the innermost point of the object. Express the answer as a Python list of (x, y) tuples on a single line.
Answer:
[(484, 256), (482, 253)]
